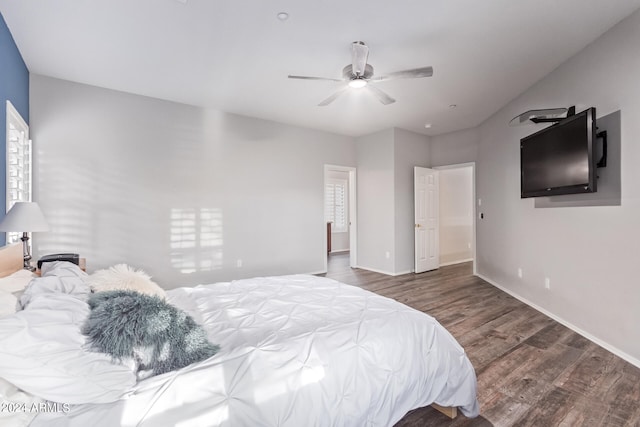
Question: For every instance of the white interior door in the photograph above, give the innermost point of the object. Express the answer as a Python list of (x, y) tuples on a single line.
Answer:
[(426, 196)]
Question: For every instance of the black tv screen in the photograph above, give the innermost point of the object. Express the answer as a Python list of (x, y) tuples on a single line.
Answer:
[(560, 159)]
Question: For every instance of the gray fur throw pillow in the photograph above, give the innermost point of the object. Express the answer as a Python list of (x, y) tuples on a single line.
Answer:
[(157, 336)]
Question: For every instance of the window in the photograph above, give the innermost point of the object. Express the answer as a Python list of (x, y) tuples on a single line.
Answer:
[(18, 163), (336, 205)]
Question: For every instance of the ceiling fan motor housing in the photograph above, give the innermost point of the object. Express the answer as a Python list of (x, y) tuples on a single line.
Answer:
[(347, 72)]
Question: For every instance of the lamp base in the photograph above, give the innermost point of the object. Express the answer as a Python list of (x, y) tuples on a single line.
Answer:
[(25, 251), (28, 266)]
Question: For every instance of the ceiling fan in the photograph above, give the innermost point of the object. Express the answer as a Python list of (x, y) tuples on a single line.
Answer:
[(359, 74)]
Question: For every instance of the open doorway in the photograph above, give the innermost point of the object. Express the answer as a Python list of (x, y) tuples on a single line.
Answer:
[(339, 227), (457, 228)]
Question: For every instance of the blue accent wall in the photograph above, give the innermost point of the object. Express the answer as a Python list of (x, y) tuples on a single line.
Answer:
[(14, 86)]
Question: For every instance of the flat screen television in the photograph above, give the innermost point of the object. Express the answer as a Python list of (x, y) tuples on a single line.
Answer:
[(560, 159)]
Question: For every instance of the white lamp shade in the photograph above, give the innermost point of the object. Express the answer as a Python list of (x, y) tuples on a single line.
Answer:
[(24, 217)]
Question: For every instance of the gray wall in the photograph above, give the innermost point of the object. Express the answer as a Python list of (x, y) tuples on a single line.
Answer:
[(454, 148), (410, 150), (114, 171), (385, 198), (375, 192), (590, 254)]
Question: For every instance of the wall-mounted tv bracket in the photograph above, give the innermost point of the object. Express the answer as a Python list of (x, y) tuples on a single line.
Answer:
[(571, 111), (546, 115), (602, 163)]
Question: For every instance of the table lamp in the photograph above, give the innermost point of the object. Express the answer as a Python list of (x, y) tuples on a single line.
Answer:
[(24, 217)]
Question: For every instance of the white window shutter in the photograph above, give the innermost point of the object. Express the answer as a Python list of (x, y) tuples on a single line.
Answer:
[(336, 204), (19, 169)]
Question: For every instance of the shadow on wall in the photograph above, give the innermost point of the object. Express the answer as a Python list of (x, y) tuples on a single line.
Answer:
[(609, 178), (196, 239)]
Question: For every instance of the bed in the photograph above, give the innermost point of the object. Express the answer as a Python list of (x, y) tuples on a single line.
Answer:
[(294, 350)]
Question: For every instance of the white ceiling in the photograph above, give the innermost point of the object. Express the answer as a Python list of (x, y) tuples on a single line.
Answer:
[(235, 55)]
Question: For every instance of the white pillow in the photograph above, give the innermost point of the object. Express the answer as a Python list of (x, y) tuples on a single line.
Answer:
[(57, 277), (16, 281), (122, 276), (7, 303), (43, 353)]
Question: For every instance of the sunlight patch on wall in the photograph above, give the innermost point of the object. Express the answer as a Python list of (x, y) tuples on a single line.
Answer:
[(196, 239), (71, 231)]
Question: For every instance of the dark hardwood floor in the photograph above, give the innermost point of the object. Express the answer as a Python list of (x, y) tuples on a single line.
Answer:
[(532, 371)]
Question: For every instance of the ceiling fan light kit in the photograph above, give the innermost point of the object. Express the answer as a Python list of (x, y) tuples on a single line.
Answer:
[(357, 83), (359, 74)]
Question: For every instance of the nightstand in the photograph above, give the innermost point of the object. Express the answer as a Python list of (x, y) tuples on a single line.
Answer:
[(82, 263)]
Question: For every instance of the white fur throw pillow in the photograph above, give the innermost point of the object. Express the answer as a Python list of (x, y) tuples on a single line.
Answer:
[(122, 276)]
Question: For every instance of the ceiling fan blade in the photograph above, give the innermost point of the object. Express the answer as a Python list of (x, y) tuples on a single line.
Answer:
[(414, 73), (359, 54), (333, 97), (382, 97), (314, 78)]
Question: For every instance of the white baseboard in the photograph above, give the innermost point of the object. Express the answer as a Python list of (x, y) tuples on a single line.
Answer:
[(339, 251), (587, 335), (400, 273), (456, 262), (388, 273)]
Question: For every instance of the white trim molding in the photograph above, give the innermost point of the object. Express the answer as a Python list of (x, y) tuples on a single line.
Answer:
[(387, 273), (456, 262)]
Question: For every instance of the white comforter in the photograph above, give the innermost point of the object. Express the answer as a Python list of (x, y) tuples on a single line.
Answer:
[(296, 351)]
